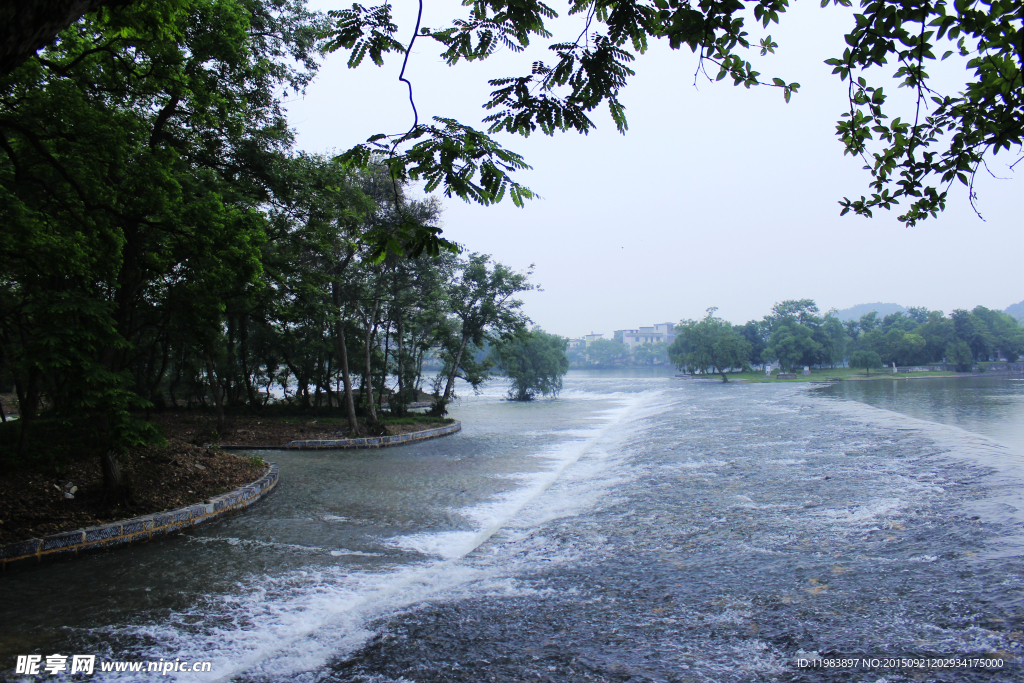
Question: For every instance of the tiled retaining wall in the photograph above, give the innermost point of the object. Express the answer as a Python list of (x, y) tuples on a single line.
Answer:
[(138, 529), (365, 442)]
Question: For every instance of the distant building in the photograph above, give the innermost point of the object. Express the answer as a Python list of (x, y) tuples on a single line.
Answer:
[(589, 339), (577, 343), (660, 332)]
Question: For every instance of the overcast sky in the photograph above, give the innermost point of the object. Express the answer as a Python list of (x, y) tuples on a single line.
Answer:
[(717, 196)]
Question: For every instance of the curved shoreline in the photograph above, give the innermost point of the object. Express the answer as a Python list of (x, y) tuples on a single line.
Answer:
[(68, 544), (362, 442)]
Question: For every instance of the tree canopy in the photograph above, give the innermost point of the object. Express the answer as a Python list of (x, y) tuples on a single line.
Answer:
[(709, 344), (913, 157), (534, 361), (164, 245), (796, 335)]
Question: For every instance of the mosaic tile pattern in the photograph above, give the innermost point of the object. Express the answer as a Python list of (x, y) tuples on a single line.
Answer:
[(138, 529)]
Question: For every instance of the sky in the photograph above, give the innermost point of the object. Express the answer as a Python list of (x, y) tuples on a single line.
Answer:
[(716, 196)]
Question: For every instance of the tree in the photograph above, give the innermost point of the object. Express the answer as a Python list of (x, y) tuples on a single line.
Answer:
[(481, 301), (650, 353), (606, 352), (865, 359), (793, 344), (711, 343), (996, 332), (756, 332), (130, 203), (868, 322), (959, 354), (916, 156), (836, 339), (534, 361)]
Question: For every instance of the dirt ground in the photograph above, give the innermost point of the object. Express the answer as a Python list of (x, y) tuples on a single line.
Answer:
[(34, 504), (186, 470), (248, 430)]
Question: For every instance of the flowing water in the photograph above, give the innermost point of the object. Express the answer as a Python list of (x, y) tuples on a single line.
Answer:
[(638, 528)]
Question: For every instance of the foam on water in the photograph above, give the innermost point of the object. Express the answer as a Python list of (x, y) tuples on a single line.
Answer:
[(1004, 505), (654, 532), (294, 624)]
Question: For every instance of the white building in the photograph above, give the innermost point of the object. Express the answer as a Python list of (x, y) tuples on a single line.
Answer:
[(660, 332)]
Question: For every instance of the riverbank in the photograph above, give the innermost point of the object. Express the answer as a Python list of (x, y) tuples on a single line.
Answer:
[(68, 494), (59, 486), (832, 374)]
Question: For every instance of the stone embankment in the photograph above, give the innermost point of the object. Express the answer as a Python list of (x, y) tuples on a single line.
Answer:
[(68, 544)]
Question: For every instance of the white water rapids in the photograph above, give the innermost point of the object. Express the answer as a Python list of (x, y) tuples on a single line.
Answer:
[(641, 528)]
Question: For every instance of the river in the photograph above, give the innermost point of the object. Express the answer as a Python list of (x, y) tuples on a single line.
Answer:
[(640, 527)]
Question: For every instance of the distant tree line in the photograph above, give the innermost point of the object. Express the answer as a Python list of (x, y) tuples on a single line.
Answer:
[(605, 352), (796, 335)]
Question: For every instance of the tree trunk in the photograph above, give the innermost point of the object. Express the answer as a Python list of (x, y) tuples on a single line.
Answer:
[(384, 375), (398, 401), (113, 480), (450, 385), (250, 392), (218, 394), (371, 330), (346, 378), (28, 402)]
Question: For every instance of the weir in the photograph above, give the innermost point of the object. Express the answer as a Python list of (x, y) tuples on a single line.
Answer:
[(635, 526)]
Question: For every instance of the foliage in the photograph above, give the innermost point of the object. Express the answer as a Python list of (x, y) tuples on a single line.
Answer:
[(958, 353), (798, 336), (924, 336), (534, 361), (866, 360), (918, 158), (650, 353), (481, 303), (711, 343), (133, 160), (164, 246), (606, 352), (757, 332), (915, 156)]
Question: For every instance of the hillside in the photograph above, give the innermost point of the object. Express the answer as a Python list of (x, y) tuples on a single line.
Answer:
[(1016, 310), (855, 312)]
